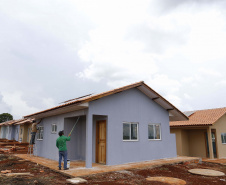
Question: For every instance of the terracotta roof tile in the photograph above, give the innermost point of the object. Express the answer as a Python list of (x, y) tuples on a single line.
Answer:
[(201, 118)]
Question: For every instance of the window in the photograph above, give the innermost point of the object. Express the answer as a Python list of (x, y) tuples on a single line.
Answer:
[(130, 131), (154, 131), (54, 128), (223, 138), (40, 132), (21, 131)]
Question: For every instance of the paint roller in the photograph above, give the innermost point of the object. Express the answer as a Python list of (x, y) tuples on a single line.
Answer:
[(73, 127)]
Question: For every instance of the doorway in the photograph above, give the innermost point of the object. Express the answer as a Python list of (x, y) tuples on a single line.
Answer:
[(214, 143), (101, 142)]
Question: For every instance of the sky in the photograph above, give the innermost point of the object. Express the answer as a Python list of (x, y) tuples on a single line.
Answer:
[(55, 50)]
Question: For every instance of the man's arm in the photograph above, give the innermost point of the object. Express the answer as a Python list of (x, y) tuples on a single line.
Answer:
[(39, 121), (68, 138)]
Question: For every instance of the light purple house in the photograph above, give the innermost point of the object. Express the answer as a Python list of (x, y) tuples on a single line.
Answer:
[(128, 124)]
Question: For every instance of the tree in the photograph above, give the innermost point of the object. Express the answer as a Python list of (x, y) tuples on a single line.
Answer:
[(5, 117)]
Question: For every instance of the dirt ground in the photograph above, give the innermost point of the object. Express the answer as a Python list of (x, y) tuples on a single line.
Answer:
[(44, 175)]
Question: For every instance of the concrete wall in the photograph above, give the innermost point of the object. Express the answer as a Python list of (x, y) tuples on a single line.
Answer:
[(16, 132), (182, 141), (76, 146), (133, 106), (47, 147), (197, 146), (220, 127), (190, 142)]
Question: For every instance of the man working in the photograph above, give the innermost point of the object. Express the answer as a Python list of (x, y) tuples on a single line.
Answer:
[(33, 131), (62, 146)]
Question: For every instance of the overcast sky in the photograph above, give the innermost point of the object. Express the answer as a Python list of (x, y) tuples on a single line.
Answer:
[(55, 50)]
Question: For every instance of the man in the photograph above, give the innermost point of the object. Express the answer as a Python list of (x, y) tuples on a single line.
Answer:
[(62, 146), (33, 131)]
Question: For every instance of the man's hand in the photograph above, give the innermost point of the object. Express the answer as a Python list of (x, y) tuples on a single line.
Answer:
[(69, 135)]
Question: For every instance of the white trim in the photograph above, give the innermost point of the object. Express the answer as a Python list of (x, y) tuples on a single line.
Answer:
[(131, 140), (40, 139), (160, 132), (54, 132), (224, 136)]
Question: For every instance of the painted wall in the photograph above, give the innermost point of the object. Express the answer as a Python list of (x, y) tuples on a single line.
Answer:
[(190, 142), (197, 143), (133, 106), (182, 141), (47, 147), (220, 127), (76, 146), (16, 132)]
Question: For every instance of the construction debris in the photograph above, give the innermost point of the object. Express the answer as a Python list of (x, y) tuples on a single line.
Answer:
[(20, 174), (76, 180), (13, 147)]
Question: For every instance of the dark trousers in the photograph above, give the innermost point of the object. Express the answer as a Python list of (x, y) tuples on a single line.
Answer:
[(64, 155), (32, 141)]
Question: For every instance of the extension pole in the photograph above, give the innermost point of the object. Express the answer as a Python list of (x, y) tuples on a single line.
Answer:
[(74, 125)]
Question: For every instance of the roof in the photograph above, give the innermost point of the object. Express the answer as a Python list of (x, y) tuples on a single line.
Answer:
[(81, 103), (206, 117), (16, 122)]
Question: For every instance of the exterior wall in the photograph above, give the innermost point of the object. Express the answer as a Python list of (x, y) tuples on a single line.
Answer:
[(197, 144), (220, 127), (76, 146), (23, 133), (47, 147), (133, 106), (16, 132), (4, 132), (182, 141)]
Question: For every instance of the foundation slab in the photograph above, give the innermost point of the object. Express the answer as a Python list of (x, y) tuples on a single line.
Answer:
[(168, 180), (206, 172)]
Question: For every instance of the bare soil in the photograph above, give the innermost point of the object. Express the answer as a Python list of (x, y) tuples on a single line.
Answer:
[(138, 176), (44, 175)]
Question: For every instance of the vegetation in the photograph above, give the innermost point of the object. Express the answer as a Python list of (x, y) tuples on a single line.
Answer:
[(5, 117)]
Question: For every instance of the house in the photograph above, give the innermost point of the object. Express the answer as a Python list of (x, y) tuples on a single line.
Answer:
[(7, 131), (203, 135), (24, 131), (18, 130), (128, 124)]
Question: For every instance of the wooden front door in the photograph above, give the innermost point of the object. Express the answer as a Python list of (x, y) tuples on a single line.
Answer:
[(101, 142)]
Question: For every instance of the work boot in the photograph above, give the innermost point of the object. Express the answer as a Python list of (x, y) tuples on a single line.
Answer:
[(59, 168), (66, 169)]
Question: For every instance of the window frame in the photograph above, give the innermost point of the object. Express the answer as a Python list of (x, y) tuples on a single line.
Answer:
[(54, 131), (130, 123), (224, 135), (160, 131), (39, 134)]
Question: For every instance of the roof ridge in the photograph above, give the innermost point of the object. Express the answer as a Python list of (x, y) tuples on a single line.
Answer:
[(205, 109)]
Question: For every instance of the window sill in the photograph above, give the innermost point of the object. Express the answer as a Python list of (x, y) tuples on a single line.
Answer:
[(130, 140), (154, 139)]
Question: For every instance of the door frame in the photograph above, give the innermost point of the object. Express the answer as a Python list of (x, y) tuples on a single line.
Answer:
[(207, 142), (214, 131), (97, 136)]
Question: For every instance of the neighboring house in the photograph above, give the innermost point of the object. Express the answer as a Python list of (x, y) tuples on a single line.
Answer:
[(128, 124), (10, 129), (24, 131), (204, 135)]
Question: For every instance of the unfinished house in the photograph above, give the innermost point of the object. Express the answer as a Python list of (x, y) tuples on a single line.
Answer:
[(128, 124), (204, 135)]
